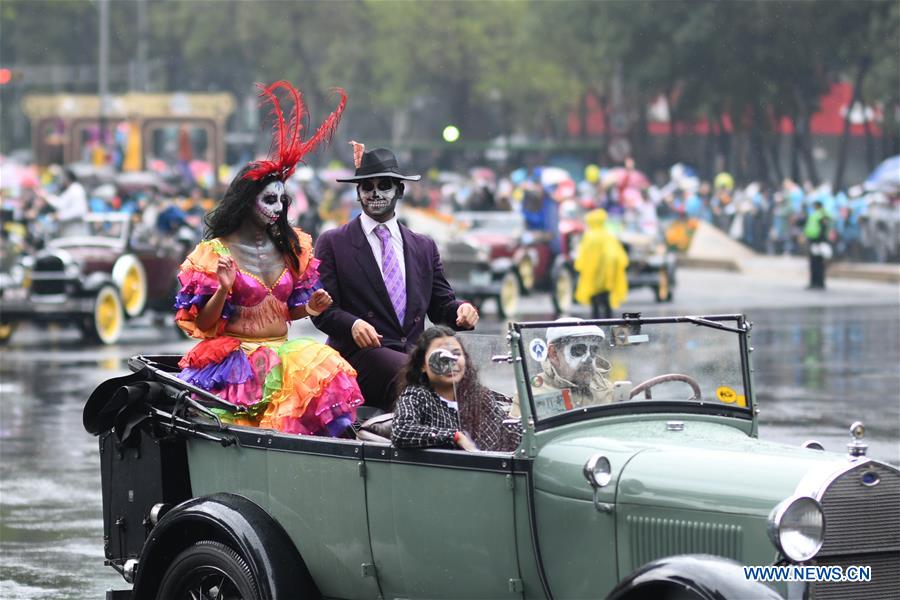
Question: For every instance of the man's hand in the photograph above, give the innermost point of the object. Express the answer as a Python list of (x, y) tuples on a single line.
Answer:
[(466, 316), (365, 335)]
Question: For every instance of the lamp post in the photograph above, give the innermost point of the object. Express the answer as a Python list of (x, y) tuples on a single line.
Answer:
[(103, 70)]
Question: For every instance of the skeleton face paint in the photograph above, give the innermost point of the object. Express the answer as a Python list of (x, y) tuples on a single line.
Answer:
[(579, 359), (270, 204), (378, 197)]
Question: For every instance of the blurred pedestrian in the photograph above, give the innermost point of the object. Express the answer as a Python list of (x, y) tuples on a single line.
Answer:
[(816, 233), (71, 205), (601, 264)]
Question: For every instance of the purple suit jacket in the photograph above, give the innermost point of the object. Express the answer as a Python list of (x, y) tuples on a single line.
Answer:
[(350, 274)]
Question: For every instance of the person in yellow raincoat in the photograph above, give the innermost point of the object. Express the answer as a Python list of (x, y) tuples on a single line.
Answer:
[(601, 264)]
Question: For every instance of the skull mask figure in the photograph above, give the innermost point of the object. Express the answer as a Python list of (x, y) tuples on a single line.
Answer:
[(379, 196), (270, 203)]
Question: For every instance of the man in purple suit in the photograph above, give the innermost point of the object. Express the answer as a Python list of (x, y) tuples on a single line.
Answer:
[(383, 279)]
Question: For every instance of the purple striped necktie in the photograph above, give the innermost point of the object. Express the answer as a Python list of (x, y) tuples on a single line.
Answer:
[(390, 270)]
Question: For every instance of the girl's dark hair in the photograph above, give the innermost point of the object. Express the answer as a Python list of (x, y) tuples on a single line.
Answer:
[(235, 208), (412, 373)]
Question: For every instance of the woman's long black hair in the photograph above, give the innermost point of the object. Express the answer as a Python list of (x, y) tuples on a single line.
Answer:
[(236, 207)]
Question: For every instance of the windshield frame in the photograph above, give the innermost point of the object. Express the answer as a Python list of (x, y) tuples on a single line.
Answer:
[(739, 325)]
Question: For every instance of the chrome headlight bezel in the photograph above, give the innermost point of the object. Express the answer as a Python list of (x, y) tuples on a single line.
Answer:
[(598, 471), (786, 527)]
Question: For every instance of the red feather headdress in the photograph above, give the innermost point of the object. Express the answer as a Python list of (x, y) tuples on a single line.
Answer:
[(288, 145)]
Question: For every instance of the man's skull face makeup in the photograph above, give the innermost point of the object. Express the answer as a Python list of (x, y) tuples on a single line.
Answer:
[(578, 359), (270, 204), (378, 197)]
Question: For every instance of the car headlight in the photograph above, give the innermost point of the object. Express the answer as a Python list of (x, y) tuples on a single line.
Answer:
[(598, 471), (797, 528)]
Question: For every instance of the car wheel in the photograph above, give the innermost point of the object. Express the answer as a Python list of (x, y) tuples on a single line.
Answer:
[(208, 570), (105, 324), (508, 300), (663, 290), (563, 291), (130, 276), (525, 269), (6, 332)]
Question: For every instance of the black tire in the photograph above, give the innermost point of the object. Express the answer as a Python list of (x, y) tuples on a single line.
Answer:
[(562, 292), (208, 570)]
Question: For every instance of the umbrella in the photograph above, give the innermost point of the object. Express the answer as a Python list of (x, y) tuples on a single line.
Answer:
[(632, 179), (886, 177), (553, 175)]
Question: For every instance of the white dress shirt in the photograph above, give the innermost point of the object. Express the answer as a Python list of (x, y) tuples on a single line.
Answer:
[(368, 225)]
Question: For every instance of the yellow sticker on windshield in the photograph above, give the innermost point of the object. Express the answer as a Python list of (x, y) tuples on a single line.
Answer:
[(726, 394)]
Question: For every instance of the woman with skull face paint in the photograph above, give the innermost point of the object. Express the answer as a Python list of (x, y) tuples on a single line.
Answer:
[(443, 404), (242, 286)]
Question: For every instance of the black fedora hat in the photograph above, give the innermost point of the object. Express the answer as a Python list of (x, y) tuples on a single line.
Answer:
[(379, 162)]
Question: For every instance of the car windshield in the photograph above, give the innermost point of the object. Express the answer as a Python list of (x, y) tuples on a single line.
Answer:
[(572, 366), (110, 228)]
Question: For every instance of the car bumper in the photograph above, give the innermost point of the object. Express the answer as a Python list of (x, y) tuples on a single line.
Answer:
[(18, 305)]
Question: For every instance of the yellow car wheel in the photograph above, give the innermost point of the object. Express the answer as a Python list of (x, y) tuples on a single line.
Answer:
[(129, 275), (526, 274), (563, 291), (105, 324), (508, 301), (6, 332), (662, 289)]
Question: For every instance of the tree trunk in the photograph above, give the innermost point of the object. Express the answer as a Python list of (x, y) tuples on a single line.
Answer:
[(870, 138), (709, 150), (672, 144), (724, 146), (796, 175), (806, 151), (761, 172), (861, 69)]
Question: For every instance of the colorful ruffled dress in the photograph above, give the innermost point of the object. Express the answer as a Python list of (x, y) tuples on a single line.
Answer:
[(298, 386)]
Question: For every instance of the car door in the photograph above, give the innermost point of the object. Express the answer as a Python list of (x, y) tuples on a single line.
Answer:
[(442, 523)]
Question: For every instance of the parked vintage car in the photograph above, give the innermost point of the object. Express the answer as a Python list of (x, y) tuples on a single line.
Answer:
[(661, 493), (493, 256), (97, 279)]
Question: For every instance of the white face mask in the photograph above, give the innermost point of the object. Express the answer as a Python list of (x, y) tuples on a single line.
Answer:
[(580, 357), (378, 196), (270, 203)]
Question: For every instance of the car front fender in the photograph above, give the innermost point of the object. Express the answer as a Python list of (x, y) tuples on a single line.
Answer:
[(96, 280), (698, 576), (237, 522)]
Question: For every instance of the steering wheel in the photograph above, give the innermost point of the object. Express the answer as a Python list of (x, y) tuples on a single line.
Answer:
[(646, 385)]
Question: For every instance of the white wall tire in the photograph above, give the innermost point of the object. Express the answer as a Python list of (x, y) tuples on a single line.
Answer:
[(508, 299), (131, 279), (106, 322)]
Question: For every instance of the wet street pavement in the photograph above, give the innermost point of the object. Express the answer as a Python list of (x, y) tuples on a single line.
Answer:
[(821, 361)]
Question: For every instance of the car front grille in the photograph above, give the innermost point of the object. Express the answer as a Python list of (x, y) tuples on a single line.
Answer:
[(862, 527), (862, 518), (49, 276), (884, 585)]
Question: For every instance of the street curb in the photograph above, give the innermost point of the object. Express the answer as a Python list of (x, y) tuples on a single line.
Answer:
[(884, 273), (721, 264)]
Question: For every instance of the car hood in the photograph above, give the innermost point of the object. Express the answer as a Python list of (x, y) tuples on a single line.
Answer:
[(91, 257), (709, 466)]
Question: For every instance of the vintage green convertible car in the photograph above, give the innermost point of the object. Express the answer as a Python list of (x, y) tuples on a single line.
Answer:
[(663, 492)]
